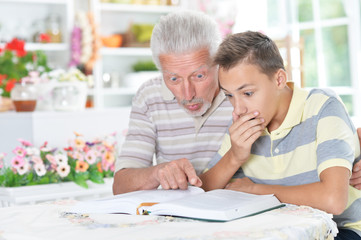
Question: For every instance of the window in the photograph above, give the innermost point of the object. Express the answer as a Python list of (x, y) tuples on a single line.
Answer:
[(329, 31)]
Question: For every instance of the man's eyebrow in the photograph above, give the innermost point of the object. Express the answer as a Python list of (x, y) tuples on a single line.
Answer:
[(192, 71)]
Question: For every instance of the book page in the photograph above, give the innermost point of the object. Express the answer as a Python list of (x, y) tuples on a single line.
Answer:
[(129, 202), (220, 205)]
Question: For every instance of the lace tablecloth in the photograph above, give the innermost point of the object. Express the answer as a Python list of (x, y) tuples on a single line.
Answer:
[(52, 221)]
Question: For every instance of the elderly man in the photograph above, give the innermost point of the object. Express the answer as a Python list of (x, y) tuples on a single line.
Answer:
[(180, 118)]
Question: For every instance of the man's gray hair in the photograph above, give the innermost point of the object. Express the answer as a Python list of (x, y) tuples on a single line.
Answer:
[(184, 32)]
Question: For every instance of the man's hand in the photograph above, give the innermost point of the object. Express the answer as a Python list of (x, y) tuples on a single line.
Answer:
[(356, 171), (177, 174), (244, 131)]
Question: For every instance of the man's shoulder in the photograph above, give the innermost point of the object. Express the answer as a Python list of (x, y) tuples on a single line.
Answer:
[(151, 88), (153, 84)]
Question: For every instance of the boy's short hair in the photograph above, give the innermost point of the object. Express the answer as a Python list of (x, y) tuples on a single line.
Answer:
[(251, 48)]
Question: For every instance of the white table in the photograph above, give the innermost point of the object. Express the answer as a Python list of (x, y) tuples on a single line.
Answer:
[(51, 221)]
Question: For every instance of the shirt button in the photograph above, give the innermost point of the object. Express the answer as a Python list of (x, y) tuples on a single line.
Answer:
[(277, 150)]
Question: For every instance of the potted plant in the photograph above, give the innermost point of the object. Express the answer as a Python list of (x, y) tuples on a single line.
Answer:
[(82, 165), (142, 71)]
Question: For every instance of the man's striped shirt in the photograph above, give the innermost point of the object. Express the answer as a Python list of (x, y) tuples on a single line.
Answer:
[(159, 125)]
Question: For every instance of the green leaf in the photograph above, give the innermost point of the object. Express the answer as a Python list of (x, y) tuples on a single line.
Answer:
[(81, 178), (44, 180), (96, 177), (81, 183)]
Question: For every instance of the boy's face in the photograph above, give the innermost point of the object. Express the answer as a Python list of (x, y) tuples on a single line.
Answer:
[(248, 89)]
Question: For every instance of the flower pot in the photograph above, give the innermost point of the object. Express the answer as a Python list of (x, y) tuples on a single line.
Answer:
[(10, 196)]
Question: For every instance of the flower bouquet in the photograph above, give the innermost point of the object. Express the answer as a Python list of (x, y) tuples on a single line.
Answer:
[(16, 63), (79, 162)]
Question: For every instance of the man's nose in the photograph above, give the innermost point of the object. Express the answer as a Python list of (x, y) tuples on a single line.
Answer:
[(189, 90)]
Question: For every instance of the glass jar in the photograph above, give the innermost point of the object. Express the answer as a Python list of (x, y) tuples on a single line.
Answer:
[(53, 28), (24, 96), (65, 98)]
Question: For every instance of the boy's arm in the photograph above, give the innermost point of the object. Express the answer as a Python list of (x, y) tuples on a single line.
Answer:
[(330, 194), (356, 171), (244, 131)]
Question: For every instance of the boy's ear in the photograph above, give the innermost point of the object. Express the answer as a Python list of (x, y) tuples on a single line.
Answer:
[(281, 78)]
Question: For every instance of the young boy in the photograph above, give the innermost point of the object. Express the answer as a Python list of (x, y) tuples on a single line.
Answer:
[(284, 140)]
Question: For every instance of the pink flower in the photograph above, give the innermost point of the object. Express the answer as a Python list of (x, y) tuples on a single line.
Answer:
[(109, 157), (106, 165), (101, 149), (61, 159), (79, 143), (40, 169), (30, 151), (23, 169), (25, 143), (19, 151), (36, 160), (17, 161), (78, 156), (63, 170), (91, 156), (52, 160)]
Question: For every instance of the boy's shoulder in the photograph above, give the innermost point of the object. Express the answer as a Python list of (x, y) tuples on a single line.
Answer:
[(321, 96), (323, 92), (324, 102)]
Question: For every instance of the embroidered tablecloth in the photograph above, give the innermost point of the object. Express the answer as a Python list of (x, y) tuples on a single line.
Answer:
[(52, 221)]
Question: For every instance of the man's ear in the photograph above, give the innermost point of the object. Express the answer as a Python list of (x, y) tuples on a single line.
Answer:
[(281, 78)]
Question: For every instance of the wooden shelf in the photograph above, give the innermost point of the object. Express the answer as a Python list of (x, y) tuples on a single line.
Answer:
[(125, 51), (138, 8)]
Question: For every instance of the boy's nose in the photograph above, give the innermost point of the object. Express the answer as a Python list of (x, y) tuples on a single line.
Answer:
[(239, 108)]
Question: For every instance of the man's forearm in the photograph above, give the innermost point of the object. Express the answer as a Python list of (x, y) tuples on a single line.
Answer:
[(133, 179)]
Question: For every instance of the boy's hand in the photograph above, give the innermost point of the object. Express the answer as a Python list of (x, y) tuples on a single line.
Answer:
[(356, 171), (241, 184), (244, 131)]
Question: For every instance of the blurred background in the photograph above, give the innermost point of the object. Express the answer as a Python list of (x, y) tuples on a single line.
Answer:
[(108, 40), (80, 62)]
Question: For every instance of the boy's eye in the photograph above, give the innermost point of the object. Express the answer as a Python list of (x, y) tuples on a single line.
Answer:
[(228, 95), (248, 94)]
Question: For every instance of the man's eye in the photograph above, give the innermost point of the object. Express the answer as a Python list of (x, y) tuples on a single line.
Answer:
[(248, 94), (173, 79), (228, 95), (200, 75)]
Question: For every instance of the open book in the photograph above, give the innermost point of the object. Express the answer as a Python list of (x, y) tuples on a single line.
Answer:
[(215, 205)]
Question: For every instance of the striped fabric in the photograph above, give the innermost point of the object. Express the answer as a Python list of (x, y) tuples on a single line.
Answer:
[(158, 125), (316, 134)]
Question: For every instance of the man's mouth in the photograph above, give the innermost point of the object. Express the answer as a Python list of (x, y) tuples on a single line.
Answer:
[(193, 107)]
